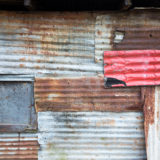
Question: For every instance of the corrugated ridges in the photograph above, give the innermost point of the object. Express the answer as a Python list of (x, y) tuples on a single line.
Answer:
[(18, 146), (48, 44), (136, 67), (84, 94), (91, 135), (141, 29)]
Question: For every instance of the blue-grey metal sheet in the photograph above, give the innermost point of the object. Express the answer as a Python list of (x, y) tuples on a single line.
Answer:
[(16, 107)]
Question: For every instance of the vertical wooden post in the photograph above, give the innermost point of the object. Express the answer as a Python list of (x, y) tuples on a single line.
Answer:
[(151, 97)]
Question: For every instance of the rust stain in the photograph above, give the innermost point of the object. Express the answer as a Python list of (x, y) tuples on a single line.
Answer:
[(84, 94), (39, 61), (21, 65), (22, 59), (110, 122), (99, 32), (148, 94), (37, 67)]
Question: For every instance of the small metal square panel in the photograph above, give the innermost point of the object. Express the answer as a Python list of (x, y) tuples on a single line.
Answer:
[(17, 113)]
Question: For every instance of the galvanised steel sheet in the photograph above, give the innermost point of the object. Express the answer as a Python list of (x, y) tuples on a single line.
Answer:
[(91, 135), (48, 44), (132, 68)]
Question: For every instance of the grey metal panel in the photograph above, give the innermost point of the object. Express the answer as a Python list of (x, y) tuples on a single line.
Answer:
[(91, 135), (17, 107)]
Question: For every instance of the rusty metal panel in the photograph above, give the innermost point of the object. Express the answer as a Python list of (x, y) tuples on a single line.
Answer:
[(17, 112), (84, 94), (18, 146), (152, 121), (132, 30), (48, 44), (91, 135), (132, 68)]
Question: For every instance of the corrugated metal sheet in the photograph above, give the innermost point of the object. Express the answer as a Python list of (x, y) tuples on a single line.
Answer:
[(136, 67), (91, 135), (18, 146), (48, 44), (84, 94), (69, 44), (141, 30)]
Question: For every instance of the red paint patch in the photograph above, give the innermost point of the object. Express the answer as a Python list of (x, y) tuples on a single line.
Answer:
[(135, 68)]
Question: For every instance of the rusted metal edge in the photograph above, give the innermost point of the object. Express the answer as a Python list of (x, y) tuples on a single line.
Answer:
[(151, 97), (148, 96)]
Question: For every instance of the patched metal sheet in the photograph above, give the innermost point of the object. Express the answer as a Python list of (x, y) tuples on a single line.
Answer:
[(48, 44), (18, 146), (84, 94), (132, 68), (17, 111), (91, 135), (131, 30)]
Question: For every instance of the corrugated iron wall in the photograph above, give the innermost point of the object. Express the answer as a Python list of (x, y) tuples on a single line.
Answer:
[(60, 49)]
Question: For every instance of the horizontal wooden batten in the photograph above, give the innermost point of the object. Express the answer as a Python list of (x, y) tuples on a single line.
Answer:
[(84, 94)]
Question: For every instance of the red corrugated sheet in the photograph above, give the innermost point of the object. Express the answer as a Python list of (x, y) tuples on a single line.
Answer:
[(135, 68)]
